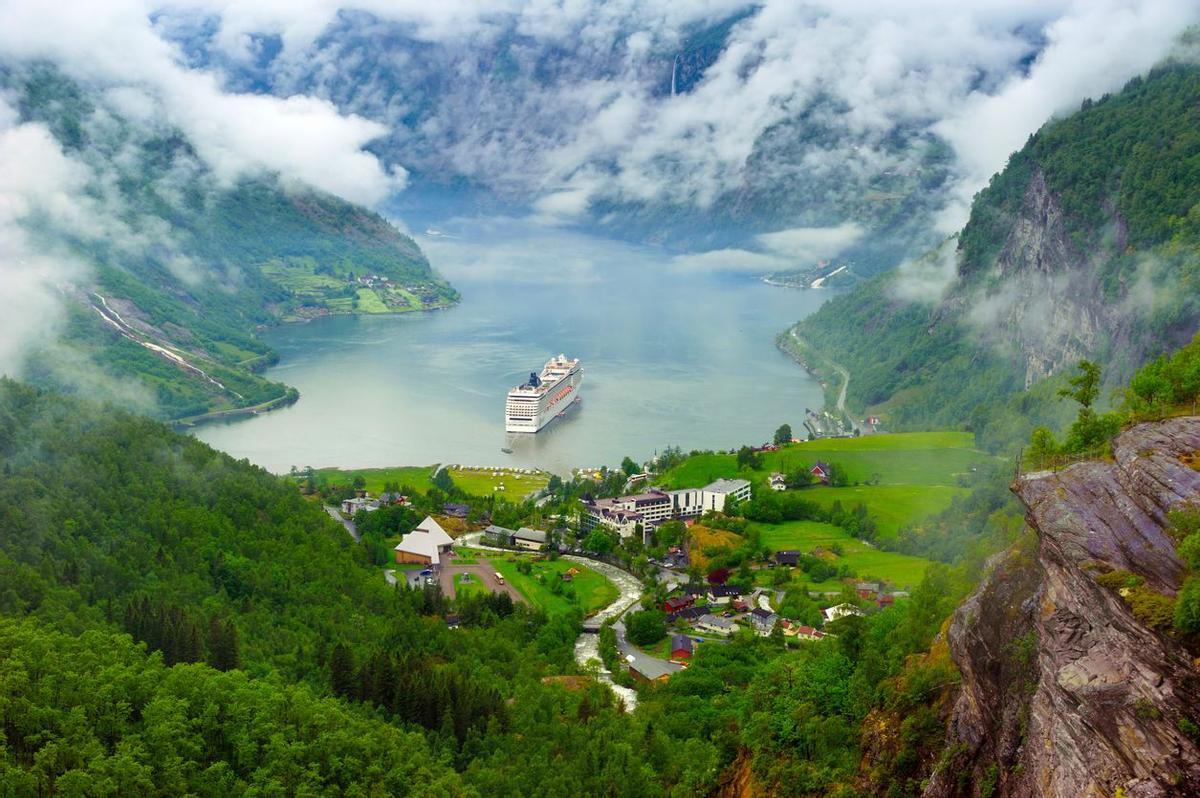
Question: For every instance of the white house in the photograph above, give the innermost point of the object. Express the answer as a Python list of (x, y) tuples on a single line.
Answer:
[(352, 506), (426, 544), (532, 539), (777, 481), (716, 493), (714, 624)]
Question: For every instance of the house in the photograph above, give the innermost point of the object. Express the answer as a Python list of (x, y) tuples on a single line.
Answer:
[(714, 624), (790, 558), (870, 587), (677, 604), (498, 535), (822, 471), (395, 499), (841, 611), (649, 669), (532, 539), (426, 544), (691, 613), (885, 601), (739, 605), (350, 507), (802, 632), (681, 647), (777, 481), (455, 510), (763, 621), (723, 594)]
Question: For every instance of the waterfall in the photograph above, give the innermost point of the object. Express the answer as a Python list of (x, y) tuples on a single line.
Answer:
[(674, 71)]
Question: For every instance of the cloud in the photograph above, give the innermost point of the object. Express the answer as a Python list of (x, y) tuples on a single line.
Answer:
[(117, 46), (566, 105), (1092, 49), (38, 183), (784, 250), (927, 278)]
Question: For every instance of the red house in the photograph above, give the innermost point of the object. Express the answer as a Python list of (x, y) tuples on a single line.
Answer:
[(678, 603), (821, 471), (681, 647)]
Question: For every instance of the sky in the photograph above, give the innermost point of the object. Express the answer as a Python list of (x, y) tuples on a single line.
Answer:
[(564, 105)]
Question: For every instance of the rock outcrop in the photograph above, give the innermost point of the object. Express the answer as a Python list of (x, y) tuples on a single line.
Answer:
[(1064, 691)]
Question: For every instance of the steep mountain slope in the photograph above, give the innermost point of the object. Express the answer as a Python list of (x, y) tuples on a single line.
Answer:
[(1071, 685), (188, 265), (1086, 245)]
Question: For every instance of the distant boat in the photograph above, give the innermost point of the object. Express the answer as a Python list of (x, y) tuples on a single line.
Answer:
[(506, 450)]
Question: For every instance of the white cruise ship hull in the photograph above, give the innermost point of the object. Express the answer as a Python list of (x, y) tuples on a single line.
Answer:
[(525, 412)]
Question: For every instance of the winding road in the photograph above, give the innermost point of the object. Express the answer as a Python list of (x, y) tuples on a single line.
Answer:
[(587, 645), (843, 373)]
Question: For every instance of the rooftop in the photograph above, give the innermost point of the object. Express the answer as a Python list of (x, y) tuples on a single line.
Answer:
[(726, 485)]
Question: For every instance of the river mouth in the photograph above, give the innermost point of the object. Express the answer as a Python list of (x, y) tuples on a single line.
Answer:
[(671, 357)]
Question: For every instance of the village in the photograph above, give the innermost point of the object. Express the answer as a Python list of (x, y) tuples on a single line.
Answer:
[(685, 607)]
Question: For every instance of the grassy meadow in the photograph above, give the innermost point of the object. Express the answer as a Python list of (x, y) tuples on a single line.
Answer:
[(594, 591), (867, 562)]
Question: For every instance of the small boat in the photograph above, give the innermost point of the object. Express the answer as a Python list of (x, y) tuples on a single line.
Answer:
[(506, 450)]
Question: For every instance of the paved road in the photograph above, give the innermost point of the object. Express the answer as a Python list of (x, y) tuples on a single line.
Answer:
[(336, 515), (843, 373), (481, 574)]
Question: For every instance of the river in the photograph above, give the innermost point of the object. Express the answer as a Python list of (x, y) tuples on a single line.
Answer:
[(672, 355)]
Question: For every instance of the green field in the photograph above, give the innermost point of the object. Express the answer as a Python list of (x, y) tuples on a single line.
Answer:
[(901, 477), (473, 481), (467, 588), (417, 477), (868, 563), (892, 506), (908, 458), (594, 591), (483, 481), (369, 302)]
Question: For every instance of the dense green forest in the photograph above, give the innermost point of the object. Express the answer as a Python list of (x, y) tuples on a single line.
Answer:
[(1125, 171), (175, 618), (200, 265)]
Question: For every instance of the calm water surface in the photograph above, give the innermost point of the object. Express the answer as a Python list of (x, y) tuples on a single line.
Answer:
[(670, 356)]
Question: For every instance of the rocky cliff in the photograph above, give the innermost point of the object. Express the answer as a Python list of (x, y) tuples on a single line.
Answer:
[(1064, 691)]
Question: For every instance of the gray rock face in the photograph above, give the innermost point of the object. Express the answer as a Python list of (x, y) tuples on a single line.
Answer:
[(1065, 693)]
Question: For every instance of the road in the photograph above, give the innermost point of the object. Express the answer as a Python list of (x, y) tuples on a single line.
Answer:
[(336, 515), (843, 373), (481, 574), (587, 645)]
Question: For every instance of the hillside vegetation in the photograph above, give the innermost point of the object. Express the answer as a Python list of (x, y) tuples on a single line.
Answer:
[(1085, 245), (218, 262)]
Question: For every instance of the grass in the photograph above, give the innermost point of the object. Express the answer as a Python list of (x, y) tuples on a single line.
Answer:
[(907, 458), (473, 481), (892, 506), (467, 588), (484, 481), (593, 590), (417, 477), (866, 562), (369, 302), (903, 477)]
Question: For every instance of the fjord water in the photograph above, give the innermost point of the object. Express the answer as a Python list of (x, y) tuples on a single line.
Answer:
[(672, 356)]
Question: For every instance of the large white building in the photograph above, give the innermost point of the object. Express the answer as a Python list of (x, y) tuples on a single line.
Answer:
[(651, 508)]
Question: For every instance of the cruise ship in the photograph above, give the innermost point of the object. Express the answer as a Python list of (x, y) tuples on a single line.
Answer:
[(533, 404)]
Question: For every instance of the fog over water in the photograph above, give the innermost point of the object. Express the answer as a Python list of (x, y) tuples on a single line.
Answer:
[(671, 355)]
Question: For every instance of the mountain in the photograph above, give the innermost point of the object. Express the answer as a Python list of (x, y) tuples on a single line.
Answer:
[(1074, 681), (543, 95), (1085, 246), (190, 265)]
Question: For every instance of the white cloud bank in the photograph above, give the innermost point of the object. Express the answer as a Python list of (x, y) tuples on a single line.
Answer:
[(115, 44)]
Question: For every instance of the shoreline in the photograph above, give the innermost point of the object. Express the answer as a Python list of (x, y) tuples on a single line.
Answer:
[(292, 395)]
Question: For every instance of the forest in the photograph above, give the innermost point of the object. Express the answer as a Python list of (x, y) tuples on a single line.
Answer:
[(175, 618)]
